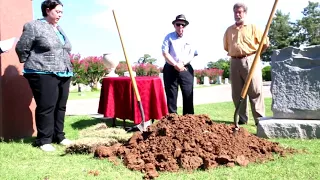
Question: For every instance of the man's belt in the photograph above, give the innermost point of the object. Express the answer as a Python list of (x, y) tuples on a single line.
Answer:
[(243, 56)]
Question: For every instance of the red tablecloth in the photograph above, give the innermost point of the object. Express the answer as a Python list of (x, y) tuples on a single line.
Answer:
[(117, 98)]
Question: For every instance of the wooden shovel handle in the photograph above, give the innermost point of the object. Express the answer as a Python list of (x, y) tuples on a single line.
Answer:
[(133, 80), (255, 61)]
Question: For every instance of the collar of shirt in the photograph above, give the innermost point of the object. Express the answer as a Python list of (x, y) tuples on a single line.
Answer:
[(245, 23), (44, 20), (177, 35)]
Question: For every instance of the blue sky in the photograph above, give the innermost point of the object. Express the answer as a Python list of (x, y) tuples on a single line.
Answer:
[(144, 23)]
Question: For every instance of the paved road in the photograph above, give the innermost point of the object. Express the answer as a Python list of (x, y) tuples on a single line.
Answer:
[(214, 94)]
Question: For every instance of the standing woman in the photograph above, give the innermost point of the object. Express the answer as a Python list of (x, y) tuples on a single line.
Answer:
[(44, 49)]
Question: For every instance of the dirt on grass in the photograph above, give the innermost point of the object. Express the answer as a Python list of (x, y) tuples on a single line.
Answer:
[(190, 142)]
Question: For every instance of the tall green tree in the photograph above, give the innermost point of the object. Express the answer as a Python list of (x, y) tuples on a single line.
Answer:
[(147, 59), (308, 28), (280, 34)]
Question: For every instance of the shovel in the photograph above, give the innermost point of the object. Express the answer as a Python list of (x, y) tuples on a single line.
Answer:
[(140, 126), (252, 69)]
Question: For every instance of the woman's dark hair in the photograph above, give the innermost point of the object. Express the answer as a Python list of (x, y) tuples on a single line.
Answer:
[(51, 4)]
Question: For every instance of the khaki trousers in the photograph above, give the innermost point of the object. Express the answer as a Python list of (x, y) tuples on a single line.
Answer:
[(239, 71)]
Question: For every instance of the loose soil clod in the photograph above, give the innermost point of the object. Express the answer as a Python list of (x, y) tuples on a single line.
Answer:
[(190, 142)]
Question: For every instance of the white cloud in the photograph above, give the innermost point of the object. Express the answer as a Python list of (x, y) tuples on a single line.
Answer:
[(144, 23)]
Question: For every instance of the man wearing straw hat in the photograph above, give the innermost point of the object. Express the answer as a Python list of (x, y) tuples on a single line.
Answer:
[(178, 52), (241, 41)]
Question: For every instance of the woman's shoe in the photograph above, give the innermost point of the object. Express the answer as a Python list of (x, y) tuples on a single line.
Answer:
[(47, 148), (66, 142)]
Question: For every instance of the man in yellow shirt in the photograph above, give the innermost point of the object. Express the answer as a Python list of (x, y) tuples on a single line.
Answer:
[(241, 41)]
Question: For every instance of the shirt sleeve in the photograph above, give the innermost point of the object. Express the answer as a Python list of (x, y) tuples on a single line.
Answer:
[(225, 42), (25, 42), (258, 36), (165, 44)]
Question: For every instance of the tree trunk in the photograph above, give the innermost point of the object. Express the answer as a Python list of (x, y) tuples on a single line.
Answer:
[(79, 88), (94, 86)]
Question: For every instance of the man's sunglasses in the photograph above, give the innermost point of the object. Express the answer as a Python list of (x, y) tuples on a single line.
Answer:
[(180, 24)]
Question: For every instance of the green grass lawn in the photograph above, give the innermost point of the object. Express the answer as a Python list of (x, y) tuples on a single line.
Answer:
[(19, 160), (73, 95)]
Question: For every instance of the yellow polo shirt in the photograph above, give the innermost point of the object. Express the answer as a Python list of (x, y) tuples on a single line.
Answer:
[(244, 40)]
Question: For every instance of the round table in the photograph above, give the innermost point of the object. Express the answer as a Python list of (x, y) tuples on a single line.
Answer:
[(117, 98)]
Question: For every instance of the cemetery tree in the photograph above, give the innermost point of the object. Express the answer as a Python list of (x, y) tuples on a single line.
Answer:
[(223, 64), (280, 34), (146, 59), (308, 28)]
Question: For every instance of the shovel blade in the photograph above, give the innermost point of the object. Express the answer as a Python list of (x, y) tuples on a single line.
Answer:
[(143, 126)]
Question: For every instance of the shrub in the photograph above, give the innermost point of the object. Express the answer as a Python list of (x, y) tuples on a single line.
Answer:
[(152, 70), (198, 74), (94, 70), (121, 68), (266, 73), (146, 70), (226, 71), (213, 73), (223, 64), (161, 69), (78, 71), (140, 69)]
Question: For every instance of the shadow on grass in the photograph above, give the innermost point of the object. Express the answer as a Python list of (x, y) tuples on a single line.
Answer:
[(85, 123), (27, 140)]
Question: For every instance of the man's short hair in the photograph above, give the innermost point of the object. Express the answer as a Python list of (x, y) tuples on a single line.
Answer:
[(240, 5)]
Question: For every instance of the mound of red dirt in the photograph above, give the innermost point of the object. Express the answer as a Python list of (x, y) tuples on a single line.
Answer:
[(190, 142)]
